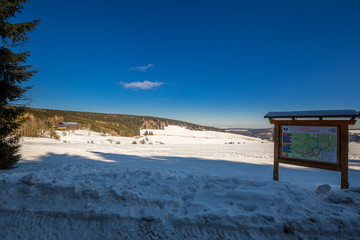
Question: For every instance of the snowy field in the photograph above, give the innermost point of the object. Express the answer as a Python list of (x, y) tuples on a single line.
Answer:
[(179, 184)]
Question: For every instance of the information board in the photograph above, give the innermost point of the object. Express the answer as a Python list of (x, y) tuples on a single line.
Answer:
[(310, 143)]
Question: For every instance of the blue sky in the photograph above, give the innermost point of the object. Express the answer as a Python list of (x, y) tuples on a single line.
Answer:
[(218, 63)]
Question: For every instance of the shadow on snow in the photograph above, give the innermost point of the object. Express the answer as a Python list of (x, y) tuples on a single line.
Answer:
[(306, 177)]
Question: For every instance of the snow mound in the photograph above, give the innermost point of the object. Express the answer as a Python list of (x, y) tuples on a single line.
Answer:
[(87, 203)]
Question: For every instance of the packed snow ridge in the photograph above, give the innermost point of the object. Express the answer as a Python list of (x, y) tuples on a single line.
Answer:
[(179, 184)]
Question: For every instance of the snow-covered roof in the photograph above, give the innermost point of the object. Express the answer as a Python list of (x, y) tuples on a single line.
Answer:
[(316, 113), (70, 123)]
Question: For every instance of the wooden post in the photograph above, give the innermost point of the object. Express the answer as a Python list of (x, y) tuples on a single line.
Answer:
[(276, 152), (344, 153)]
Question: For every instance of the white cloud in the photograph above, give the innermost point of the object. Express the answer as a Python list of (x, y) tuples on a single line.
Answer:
[(142, 68), (141, 85)]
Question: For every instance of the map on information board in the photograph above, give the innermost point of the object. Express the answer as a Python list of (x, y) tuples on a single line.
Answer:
[(310, 143)]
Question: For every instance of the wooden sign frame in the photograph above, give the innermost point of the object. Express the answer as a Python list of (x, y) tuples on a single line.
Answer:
[(342, 146)]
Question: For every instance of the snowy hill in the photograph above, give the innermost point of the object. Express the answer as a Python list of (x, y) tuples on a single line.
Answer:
[(179, 184), (180, 135), (36, 120)]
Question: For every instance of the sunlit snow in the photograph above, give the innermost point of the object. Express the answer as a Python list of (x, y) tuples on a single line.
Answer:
[(179, 184)]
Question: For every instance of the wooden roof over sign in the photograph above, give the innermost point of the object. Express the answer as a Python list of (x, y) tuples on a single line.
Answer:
[(314, 114)]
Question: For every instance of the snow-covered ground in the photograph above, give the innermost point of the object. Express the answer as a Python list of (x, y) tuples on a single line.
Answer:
[(179, 184)]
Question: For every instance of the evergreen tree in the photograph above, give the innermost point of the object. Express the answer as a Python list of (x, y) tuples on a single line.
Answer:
[(13, 72)]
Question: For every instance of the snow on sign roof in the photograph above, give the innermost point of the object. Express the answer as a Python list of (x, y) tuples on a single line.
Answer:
[(70, 123), (317, 113)]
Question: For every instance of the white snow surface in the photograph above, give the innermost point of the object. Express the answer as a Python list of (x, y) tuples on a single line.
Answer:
[(180, 184)]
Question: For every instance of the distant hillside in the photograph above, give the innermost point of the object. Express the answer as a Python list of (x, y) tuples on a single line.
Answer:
[(262, 133), (40, 120)]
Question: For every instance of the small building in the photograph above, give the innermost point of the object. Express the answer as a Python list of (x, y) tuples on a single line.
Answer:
[(67, 126)]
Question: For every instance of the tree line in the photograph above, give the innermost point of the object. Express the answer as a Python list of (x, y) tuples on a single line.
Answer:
[(35, 121)]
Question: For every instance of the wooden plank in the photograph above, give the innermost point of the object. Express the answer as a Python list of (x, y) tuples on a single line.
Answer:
[(313, 122), (344, 152), (312, 161), (276, 152), (310, 164)]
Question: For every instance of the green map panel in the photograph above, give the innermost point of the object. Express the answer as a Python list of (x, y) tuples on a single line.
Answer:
[(310, 143)]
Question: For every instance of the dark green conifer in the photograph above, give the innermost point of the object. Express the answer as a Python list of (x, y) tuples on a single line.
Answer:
[(13, 72)]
